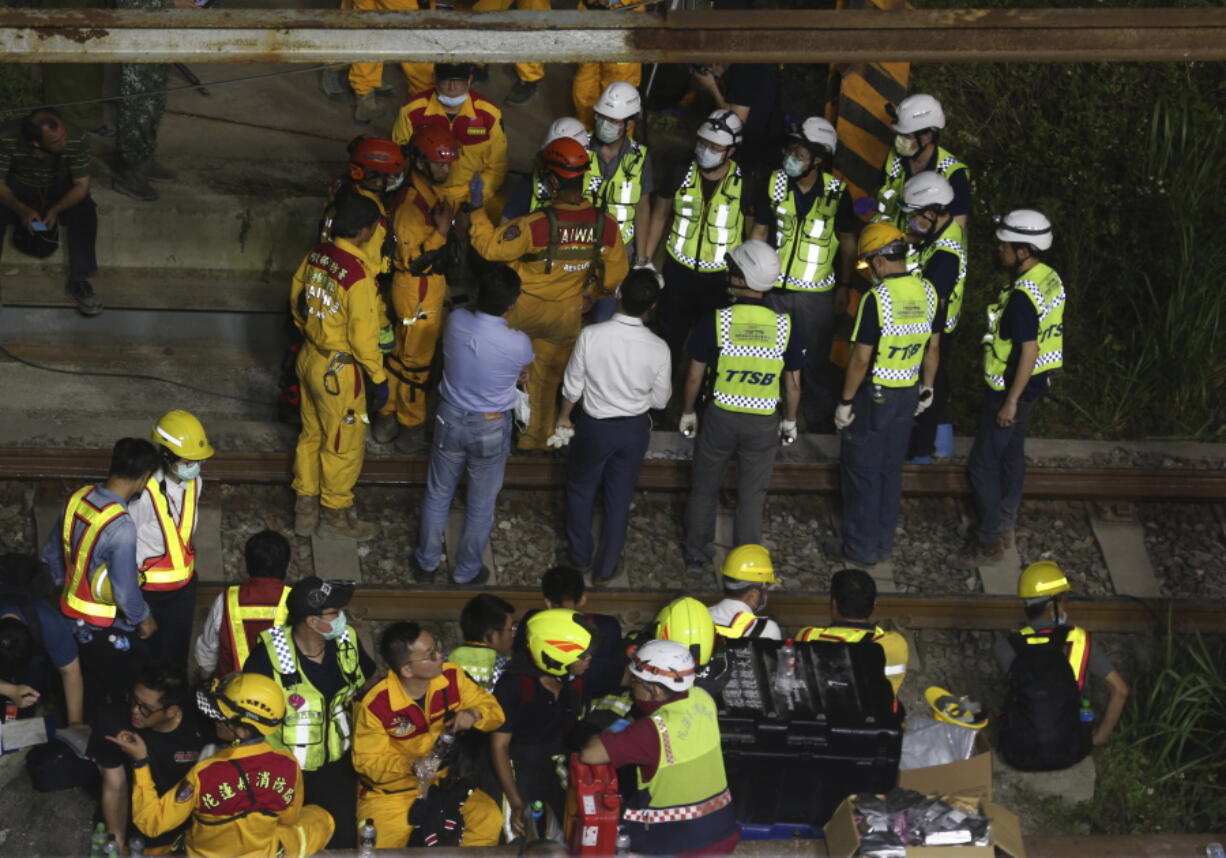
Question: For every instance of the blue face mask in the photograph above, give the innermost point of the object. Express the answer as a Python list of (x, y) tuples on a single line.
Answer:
[(187, 471), (451, 100), (337, 628), (794, 167), (608, 132)]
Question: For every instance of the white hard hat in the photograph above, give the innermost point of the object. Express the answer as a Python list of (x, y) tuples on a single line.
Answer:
[(925, 190), (758, 263), (1024, 226), (819, 132), (918, 113), (722, 127), (620, 100), (567, 126), (667, 663)]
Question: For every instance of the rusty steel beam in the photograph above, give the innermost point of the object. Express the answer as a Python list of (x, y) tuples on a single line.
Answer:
[(798, 36)]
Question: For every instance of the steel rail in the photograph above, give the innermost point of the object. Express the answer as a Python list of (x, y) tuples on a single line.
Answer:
[(794, 611), (798, 36), (666, 475)]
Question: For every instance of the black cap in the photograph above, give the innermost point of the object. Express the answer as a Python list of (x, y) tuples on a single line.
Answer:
[(314, 595), (453, 71)]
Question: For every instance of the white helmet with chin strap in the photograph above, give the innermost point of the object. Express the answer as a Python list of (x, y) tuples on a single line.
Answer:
[(818, 132), (926, 190), (758, 263), (620, 100), (1024, 226), (567, 126), (918, 113), (722, 127), (666, 663)]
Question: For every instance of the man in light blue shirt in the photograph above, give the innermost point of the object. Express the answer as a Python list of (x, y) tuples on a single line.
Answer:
[(483, 360), (109, 650)]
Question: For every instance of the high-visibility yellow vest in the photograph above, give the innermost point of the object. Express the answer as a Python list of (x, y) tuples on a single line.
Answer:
[(889, 195), (540, 195), (174, 569), (743, 625), (951, 240), (620, 193), (87, 595), (1076, 649), (752, 340), (483, 664), (807, 246), (906, 305), (1045, 290), (703, 231), (895, 672), (250, 609)]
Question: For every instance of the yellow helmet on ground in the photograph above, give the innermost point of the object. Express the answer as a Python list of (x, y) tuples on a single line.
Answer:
[(880, 238), (687, 621), (750, 564), (246, 698), (557, 638), (1042, 580), (182, 434)]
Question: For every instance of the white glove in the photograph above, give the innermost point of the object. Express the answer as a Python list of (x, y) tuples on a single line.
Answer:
[(561, 437), (688, 425), (925, 400), (523, 408), (787, 433), (843, 416)]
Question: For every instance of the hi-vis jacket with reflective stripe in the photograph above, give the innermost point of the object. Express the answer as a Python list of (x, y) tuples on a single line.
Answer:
[(951, 240), (890, 193), (752, 340), (174, 569), (807, 246), (1045, 290), (83, 596), (906, 305), (1076, 649), (248, 610), (620, 193), (703, 231)]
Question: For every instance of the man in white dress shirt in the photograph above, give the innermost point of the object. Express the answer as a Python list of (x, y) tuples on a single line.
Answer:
[(620, 370)]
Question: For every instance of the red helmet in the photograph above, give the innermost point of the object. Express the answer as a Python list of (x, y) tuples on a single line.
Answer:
[(435, 144), (565, 158), (375, 155)]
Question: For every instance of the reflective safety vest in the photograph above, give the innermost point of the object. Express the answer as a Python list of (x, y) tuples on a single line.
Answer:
[(686, 804), (889, 195), (743, 625), (851, 635), (620, 193), (906, 305), (316, 731), (807, 246), (540, 195), (752, 340), (483, 664), (703, 231), (951, 240), (248, 610), (84, 597), (174, 569), (1076, 649), (1045, 290)]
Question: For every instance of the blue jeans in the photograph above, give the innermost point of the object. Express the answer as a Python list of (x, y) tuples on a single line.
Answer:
[(997, 466), (464, 442), (871, 454)]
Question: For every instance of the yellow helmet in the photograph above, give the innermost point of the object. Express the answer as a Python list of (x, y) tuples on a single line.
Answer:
[(687, 621), (182, 434), (247, 698), (751, 564), (880, 238), (1041, 580), (557, 638), (100, 586)]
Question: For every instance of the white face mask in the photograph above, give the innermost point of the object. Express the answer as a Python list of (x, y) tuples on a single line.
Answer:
[(707, 159), (608, 132), (919, 227), (337, 627), (394, 182), (795, 167), (187, 472), (906, 146), (451, 100)]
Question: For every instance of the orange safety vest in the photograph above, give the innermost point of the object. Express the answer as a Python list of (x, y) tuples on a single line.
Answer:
[(1076, 649), (174, 569), (743, 625), (249, 609), (78, 599)]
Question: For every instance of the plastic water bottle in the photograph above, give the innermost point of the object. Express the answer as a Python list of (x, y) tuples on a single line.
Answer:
[(536, 816), (623, 841), (1087, 714), (427, 767), (136, 848), (785, 668), (112, 846), (1215, 850), (97, 840), (366, 840)]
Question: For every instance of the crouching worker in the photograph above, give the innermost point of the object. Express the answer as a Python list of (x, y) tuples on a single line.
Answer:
[(683, 806), (245, 801), (399, 724)]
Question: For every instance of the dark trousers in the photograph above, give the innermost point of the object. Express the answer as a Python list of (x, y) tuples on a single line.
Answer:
[(753, 439), (173, 611), (997, 466), (871, 454), (687, 297), (110, 662), (334, 787), (924, 432), (813, 322), (605, 455), (81, 221)]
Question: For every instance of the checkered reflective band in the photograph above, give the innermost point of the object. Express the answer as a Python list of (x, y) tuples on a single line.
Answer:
[(652, 815), (283, 649)]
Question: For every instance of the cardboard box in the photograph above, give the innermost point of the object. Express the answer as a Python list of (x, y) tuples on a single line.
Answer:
[(971, 778), (843, 839)]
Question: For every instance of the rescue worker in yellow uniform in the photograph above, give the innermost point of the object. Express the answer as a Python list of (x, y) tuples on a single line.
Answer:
[(473, 120), (527, 75), (853, 593), (592, 79), (366, 78), (165, 515), (245, 800), (422, 224), (566, 254), (422, 702), (336, 306), (682, 805), (1052, 726), (746, 575)]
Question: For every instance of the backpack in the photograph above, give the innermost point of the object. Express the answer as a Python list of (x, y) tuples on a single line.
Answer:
[(437, 819), (1042, 729)]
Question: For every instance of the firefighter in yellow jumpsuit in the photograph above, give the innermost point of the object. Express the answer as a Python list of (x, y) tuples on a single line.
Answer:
[(421, 224), (591, 79), (365, 78), (245, 801), (336, 307), (566, 254), (398, 723)]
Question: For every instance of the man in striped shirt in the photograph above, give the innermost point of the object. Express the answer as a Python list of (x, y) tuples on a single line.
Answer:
[(44, 184)]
